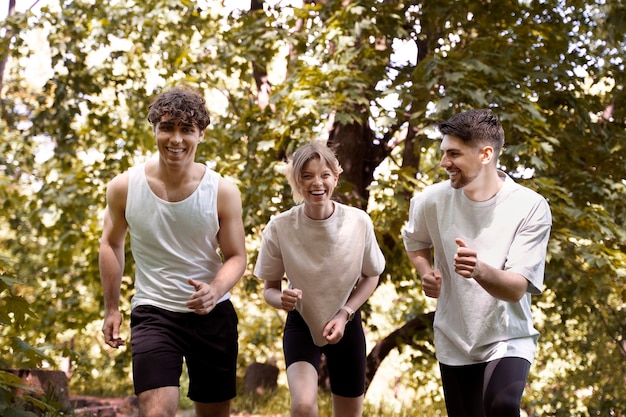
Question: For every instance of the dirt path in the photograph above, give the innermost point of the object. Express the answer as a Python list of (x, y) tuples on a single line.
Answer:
[(85, 406)]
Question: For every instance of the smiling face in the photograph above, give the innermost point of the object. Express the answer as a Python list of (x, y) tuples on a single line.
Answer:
[(463, 163), (177, 142), (316, 184)]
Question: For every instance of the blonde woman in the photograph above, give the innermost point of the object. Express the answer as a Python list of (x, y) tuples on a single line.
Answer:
[(329, 255)]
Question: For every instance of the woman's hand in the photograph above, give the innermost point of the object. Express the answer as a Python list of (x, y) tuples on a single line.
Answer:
[(334, 329), (289, 298)]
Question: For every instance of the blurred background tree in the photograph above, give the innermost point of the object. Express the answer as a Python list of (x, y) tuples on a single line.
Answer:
[(370, 77)]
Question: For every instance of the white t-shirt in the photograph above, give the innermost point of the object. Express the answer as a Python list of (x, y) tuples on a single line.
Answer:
[(510, 232), (323, 258)]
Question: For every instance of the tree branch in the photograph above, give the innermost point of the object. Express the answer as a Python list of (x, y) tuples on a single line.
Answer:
[(404, 335)]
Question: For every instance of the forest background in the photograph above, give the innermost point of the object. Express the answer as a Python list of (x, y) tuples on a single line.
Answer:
[(370, 77)]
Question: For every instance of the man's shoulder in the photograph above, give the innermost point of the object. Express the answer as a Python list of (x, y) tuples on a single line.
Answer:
[(440, 187), (434, 191), (524, 192), (224, 183), (119, 182)]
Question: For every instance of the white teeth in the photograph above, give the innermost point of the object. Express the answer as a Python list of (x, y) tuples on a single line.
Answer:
[(175, 150), (317, 192)]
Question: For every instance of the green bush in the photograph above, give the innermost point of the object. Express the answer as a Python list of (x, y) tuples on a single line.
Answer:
[(15, 352)]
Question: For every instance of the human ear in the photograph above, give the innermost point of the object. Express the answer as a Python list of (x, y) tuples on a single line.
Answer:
[(486, 154)]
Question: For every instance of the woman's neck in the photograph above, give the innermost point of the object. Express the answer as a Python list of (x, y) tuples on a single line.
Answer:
[(319, 212)]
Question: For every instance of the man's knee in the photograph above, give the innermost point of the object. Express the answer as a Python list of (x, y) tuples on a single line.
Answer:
[(220, 409), (159, 402)]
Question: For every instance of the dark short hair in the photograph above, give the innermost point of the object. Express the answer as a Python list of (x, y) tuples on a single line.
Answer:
[(180, 103), (475, 128)]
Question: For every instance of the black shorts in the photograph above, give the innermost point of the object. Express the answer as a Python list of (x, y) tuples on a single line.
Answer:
[(346, 359), (160, 339)]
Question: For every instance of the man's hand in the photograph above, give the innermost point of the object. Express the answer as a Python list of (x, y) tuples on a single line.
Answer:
[(111, 329), (204, 299), (466, 261), (431, 283)]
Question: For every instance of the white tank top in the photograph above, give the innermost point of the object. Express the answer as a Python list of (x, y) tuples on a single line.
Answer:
[(172, 241)]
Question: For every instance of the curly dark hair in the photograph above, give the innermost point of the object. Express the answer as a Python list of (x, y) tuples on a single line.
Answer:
[(180, 103)]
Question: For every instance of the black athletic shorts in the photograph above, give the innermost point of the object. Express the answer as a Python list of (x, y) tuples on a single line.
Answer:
[(346, 359), (160, 339)]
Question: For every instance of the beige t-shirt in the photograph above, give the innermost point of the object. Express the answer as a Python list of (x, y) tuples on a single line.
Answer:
[(323, 258)]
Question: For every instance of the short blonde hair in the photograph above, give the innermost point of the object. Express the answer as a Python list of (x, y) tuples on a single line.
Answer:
[(313, 150)]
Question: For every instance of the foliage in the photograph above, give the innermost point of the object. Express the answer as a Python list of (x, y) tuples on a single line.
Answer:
[(14, 312), (553, 70)]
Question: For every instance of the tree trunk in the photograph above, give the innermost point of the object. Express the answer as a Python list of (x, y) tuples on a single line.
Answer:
[(404, 335), (46, 385), (359, 155), (9, 34), (260, 378)]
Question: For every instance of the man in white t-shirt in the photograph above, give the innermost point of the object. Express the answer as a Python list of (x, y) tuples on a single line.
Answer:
[(489, 237)]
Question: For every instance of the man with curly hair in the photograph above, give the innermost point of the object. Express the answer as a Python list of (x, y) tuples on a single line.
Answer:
[(187, 240)]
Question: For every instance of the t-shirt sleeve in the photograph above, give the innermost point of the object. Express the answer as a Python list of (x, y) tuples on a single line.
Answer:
[(415, 234), (373, 259), (527, 255), (269, 265)]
